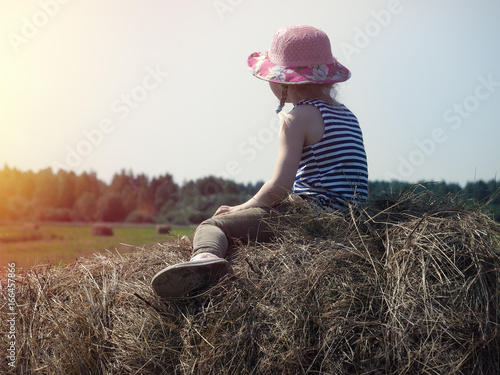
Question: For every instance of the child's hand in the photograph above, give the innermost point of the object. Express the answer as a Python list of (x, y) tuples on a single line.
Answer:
[(224, 210)]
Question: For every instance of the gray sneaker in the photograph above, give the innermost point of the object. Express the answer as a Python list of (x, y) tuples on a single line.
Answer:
[(182, 278)]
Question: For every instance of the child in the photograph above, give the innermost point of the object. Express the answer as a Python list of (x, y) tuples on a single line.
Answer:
[(321, 156)]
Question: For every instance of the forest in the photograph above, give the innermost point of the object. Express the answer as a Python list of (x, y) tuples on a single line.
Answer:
[(136, 198)]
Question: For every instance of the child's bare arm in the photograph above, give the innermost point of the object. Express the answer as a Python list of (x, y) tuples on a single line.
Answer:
[(291, 142)]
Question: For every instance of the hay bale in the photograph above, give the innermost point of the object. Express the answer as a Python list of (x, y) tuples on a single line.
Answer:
[(163, 229), (402, 287), (31, 226), (102, 230)]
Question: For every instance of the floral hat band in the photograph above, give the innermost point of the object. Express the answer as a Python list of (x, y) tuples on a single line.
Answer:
[(298, 54)]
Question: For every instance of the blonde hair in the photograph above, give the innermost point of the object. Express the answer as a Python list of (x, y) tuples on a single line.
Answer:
[(310, 91)]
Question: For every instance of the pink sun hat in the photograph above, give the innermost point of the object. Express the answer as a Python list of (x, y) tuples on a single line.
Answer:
[(298, 54)]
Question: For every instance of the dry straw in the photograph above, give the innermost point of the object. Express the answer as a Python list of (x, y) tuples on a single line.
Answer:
[(404, 286)]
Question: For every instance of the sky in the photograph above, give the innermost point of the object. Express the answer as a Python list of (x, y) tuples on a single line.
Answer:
[(162, 86)]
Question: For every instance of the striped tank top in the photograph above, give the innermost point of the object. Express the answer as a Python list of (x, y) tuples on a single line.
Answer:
[(333, 172)]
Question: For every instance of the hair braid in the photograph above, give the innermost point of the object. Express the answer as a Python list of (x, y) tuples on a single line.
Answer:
[(284, 92)]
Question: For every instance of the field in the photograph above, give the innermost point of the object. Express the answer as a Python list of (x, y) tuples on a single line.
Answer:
[(27, 244)]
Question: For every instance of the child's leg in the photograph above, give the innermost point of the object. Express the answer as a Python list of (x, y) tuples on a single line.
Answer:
[(211, 240), (208, 240), (211, 236)]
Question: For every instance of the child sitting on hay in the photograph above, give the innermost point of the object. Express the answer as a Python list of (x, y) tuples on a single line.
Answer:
[(321, 156)]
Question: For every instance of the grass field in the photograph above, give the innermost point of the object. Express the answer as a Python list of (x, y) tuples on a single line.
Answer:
[(27, 245)]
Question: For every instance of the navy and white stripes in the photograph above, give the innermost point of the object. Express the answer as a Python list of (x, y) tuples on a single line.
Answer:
[(334, 170)]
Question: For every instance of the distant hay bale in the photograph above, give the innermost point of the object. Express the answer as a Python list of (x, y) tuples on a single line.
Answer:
[(163, 229), (102, 230), (404, 286)]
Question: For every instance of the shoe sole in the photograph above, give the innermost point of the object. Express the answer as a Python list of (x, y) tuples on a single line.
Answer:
[(180, 279)]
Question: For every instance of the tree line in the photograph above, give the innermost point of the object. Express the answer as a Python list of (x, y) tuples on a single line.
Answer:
[(135, 198)]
